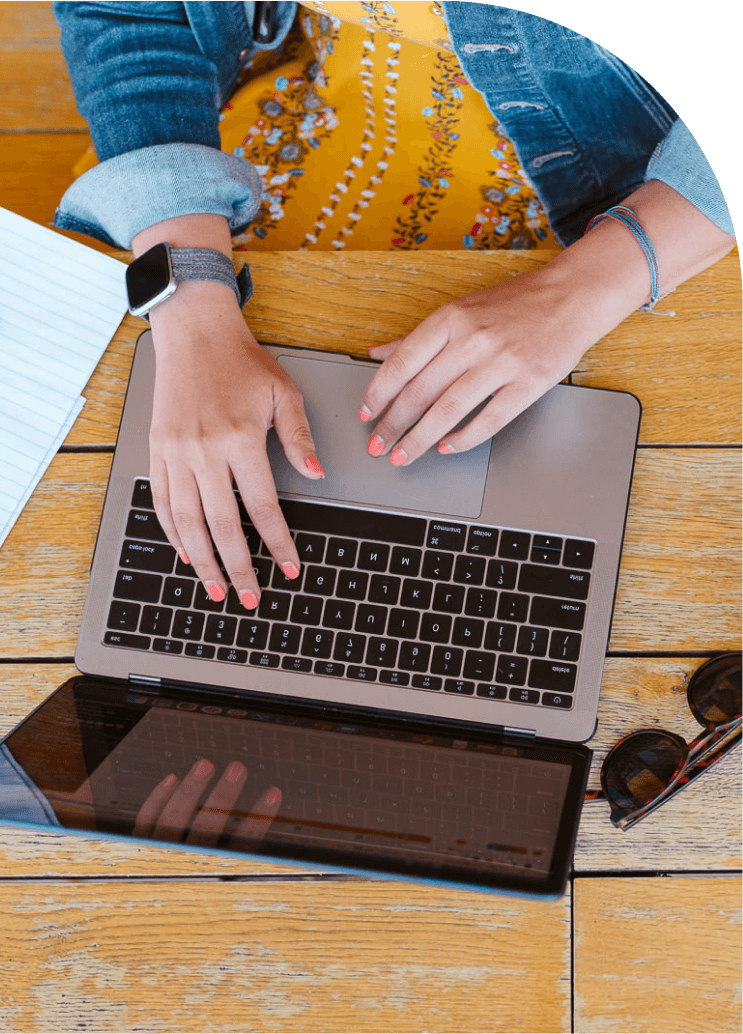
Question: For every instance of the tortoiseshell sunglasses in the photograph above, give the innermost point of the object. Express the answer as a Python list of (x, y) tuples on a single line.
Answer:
[(648, 767)]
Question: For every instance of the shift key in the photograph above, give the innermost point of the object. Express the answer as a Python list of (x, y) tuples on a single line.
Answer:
[(554, 581), (147, 556)]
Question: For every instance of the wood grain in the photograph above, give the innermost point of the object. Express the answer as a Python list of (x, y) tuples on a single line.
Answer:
[(278, 957), (657, 955), (687, 379), (636, 693), (35, 171), (678, 586)]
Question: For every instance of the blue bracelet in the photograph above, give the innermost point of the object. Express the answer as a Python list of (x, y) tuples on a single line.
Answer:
[(627, 218)]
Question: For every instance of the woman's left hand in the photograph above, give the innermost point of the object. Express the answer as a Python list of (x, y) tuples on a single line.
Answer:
[(512, 342)]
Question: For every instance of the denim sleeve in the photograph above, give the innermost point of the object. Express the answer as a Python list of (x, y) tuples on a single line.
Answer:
[(680, 162)]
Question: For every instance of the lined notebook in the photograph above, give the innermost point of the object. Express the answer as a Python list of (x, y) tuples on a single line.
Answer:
[(60, 304)]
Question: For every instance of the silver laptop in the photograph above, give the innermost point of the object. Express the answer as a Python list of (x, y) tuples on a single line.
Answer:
[(477, 587)]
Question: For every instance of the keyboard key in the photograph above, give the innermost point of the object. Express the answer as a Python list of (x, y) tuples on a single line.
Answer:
[(492, 692), (319, 580), (339, 614), (330, 668), (311, 548), (362, 674), (446, 536), (502, 574), (578, 553), (274, 605), (358, 524), (479, 665), (178, 592), (560, 678), (371, 619), (448, 599), (341, 552), (416, 594), (265, 660), (513, 607), (446, 661), (229, 653), (405, 561), (285, 639), (557, 613), (469, 570), (202, 600), (220, 629), (414, 656), (482, 540), (147, 556), (554, 581), (131, 585), (167, 645), (481, 603), (437, 565), (557, 700), (263, 567), (532, 641), (373, 556), (394, 678), (511, 670), (200, 650), (155, 621), (136, 642), (350, 648), (253, 634), (514, 545), (426, 682), (500, 637), (187, 625), (124, 616), (280, 581), (468, 632), (523, 696), (435, 628), (403, 623), (351, 585), (316, 642), (143, 524), (142, 494), (565, 646), (296, 664), (381, 652), (546, 549), (461, 686), (383, 588), (306, 610)]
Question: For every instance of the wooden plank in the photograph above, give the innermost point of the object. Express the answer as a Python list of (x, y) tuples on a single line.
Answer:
[(35, 88), (657, 955), (678, 587), (35, 171), (333, 957), (348, 302), (698, 829)]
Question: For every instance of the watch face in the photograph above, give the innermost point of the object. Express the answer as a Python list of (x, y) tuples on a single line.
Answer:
[(149, 279)]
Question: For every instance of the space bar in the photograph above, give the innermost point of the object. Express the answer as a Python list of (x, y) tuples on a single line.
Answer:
[(347, 521)]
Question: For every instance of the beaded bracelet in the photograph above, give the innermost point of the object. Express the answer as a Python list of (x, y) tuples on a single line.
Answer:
[(627, 218)]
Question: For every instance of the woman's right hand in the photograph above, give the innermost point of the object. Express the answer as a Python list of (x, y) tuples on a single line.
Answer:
[(217, 392)]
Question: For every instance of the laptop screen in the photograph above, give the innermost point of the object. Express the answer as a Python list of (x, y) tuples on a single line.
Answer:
[(342, 790)]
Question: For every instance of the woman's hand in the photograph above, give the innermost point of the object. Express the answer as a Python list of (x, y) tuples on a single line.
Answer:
[(217, 392)]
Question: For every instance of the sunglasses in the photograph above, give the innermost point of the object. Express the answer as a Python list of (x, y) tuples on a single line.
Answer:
[(648, 767)]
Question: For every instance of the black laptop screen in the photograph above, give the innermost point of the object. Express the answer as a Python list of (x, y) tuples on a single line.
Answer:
[(296, 784)]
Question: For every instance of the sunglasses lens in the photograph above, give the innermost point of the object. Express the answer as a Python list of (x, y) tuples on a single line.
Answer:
[(714, 690), (641, 767)]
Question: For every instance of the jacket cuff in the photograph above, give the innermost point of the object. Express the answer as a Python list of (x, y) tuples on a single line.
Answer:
[(117, 199), (679, 161)]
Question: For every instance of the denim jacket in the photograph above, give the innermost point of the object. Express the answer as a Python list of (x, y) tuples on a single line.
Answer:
[(150, 79)]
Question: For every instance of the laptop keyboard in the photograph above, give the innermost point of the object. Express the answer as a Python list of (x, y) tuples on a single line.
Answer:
[(428, 604)]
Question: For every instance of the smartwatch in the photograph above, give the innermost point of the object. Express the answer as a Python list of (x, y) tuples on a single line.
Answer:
[(154, 276)]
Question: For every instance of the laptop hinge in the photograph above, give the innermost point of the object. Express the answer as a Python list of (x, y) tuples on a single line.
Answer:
[(531, 733), (147, 680)]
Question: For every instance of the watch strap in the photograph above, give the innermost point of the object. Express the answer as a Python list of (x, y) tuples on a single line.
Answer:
[(204, 264)]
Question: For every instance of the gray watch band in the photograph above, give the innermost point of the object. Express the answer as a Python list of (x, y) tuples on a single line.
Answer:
[(204, 264)]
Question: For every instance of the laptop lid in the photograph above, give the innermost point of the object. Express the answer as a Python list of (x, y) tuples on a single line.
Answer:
[(560, 473)]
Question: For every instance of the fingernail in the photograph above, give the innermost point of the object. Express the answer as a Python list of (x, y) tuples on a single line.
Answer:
[(290, 570), (375, 446), (202, 769), (272, 797), (445, 449), (364, 414), (312, 463), (168, 781), (398, 457), (215, 591), (184, 556), (248, 599), (235, 772)]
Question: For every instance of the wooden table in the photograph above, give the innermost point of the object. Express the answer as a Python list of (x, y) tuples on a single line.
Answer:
[(115, 937)]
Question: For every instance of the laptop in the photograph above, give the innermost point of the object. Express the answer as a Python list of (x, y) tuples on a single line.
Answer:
[(420, 696)]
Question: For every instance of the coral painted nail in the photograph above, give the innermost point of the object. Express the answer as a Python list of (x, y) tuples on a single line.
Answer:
[(203, 769), (248, 599), (375, 446), (445, 449), (312, 463), (183, 555), (215, 591), (364, 414), (290, 570), (398, 457), (235, 772), (272, 797)]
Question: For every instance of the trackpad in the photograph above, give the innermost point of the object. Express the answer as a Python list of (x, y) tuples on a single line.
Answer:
[(332, 392)]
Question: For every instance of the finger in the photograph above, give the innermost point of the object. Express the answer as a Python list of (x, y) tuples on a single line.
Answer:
[(382, 351), (505, 406), (210, 819), (255, 825), (255, 482), (410, 356), (161, 502), (175, 817), (293, 429), (150, 810), (189, 518)]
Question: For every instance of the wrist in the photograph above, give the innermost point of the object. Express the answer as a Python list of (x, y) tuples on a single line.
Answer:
[(200, 230)]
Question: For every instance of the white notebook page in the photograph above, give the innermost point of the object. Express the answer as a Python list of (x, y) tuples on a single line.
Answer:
[(60, 305)]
